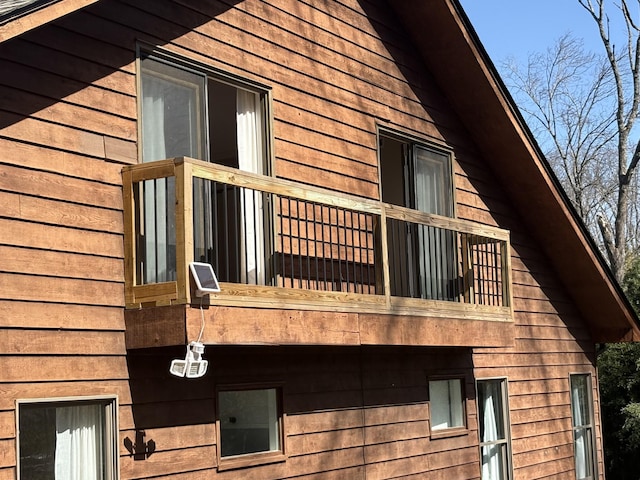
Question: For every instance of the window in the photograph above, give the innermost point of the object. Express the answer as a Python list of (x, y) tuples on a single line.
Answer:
[(446, 403), (422, 259), (493, 425), (67, 440), (189, 110), (250, 424), (582, 420)]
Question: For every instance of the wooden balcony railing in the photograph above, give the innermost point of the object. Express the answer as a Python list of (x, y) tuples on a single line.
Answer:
[(279, 244)]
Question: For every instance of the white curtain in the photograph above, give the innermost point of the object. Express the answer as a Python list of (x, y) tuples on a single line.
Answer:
[(249, 131), (436, 252), (79, 443), (172, 126), (491, 462), (153, 148), (581, 445)]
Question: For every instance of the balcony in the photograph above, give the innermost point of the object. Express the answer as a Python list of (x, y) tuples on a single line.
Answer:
[(332, 267)]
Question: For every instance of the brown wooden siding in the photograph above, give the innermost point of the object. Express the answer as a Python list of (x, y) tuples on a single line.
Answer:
[(348, 410), (68, 124)]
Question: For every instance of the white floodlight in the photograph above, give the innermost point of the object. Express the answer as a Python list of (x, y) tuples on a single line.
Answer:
[(205, 278), (193, 366)]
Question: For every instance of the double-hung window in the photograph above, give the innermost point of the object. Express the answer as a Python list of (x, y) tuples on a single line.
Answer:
[(493, 426), (422, 259), (582, 421), (67, 439), (189, 110)]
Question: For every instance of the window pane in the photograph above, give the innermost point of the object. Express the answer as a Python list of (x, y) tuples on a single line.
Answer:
[(581, 401), (63, 442), (492, 422), (172, 112), (445, 402), (491, 410), (494, 461), (433, 183), (37, 442), (580, 404), (249, 422), (583, 453)]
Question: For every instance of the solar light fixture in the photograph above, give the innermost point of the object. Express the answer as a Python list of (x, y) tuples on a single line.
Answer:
[(193, 366), (205, 278)]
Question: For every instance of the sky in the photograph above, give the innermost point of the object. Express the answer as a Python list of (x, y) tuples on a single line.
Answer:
[(516, 28)]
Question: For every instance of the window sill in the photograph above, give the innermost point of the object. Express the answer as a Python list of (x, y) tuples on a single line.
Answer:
[(250, 460), (449, 432)]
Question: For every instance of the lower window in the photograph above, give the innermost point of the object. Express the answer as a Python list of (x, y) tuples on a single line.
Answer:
[(493, 425), (446, 402), (67, 439), (250, 424), (582, 421)]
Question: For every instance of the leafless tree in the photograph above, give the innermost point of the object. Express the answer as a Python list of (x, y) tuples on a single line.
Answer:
[(582, 107)]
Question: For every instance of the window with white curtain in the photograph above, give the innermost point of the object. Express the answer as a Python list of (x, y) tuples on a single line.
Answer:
[(249, 422), (189, 110), (419, 176), (446, 404), (582, 420), (493, 429), (67, 440)]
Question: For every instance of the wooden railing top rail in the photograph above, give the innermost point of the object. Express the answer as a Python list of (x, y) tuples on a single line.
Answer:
[(278, 186)]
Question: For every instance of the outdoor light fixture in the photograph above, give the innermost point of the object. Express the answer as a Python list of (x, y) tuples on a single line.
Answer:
[(205, 278), (193, 366)]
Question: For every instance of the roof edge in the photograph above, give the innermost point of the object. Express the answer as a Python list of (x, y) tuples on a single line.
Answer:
[(39, 15), (475, 89)]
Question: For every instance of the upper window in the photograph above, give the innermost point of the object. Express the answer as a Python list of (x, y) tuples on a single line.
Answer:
[(582, 420), (250, 425), (446, 403), (196, 112), (423, 257), (415, 175), (70, 440)]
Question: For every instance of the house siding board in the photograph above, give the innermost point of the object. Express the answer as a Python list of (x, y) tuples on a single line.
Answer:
[(66, 128), (342, 416), (337, 69)]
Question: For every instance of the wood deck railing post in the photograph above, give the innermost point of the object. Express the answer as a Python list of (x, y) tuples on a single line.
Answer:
[(384, 254), (184, 228)]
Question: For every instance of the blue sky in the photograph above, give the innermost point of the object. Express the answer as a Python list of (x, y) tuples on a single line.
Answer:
[(519, 27)]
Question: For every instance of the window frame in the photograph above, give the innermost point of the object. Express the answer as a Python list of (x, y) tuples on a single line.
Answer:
[(254, 458), (111, 426), (149, 264), (209, 72), (417, 272), (590, 427), (504, 393), (455, 430), (430, 144)]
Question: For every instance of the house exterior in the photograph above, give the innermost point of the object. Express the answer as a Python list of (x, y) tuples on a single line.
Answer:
[(404, 290)]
